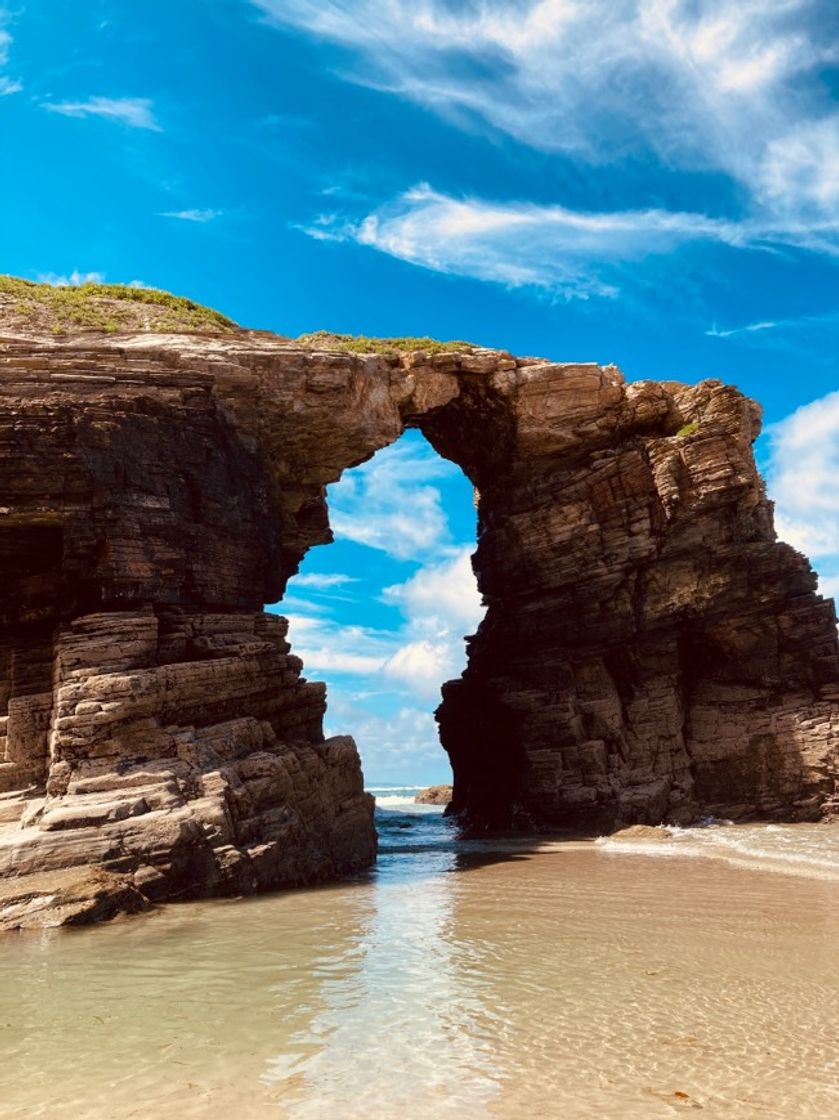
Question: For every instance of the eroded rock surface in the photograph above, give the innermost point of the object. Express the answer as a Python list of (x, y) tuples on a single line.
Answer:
[(434, 795), (650, 651)]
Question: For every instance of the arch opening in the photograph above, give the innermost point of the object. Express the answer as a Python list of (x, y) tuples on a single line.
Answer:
[(381, 615)]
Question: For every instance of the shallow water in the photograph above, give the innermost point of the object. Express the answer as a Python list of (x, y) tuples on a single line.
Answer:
[(473, 980)]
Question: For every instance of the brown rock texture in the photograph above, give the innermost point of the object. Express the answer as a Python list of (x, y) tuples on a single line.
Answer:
[(650, 652), (434, 795)]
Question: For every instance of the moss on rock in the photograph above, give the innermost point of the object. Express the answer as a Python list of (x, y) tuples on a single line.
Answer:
[(65, 309), (361, 344)]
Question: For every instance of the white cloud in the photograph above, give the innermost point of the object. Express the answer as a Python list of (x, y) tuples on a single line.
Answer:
[(801, 168), (328, 646), (440, 604), (324, 581), (447, 589), (7, 85), (802, 473), (135, 112), (193, 215), (367, 668), (726, 86), (801, 324), (422, 665), (829, 586), (721, 85), (74, 280), (750, 328), (389, 504), (575, 253), (399, 746)]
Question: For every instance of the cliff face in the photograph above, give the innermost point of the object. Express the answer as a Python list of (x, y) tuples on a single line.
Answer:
[(649, 652)]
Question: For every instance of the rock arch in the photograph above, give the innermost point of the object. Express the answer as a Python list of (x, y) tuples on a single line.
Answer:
[(650, 651)]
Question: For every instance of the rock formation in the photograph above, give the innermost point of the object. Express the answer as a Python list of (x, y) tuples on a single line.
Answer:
[(434, 795), (650, 651)]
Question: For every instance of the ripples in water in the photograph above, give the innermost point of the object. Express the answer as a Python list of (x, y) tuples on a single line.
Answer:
[(473, 979)]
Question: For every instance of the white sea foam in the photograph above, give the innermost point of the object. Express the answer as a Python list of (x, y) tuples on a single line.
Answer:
[(392, 789), (811, 851)]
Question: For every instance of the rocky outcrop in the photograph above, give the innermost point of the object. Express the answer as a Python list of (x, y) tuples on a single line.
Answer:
[(650, 651), (434, 795), (182, 752)]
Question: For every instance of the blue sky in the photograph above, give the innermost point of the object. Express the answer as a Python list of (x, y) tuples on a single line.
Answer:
[(653, 183)]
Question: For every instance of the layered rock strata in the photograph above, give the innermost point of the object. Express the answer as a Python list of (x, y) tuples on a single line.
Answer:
[(650, 651)]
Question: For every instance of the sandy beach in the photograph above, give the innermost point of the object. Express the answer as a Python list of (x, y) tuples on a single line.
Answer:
[(579, 980)]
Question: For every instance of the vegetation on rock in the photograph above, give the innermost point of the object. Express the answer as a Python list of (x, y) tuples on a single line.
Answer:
[(361, 344), (29, 307), (61, 309)]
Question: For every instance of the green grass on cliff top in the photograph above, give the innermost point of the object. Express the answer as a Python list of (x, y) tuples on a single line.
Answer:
[(361, 344), (102, 307), (109, 308)]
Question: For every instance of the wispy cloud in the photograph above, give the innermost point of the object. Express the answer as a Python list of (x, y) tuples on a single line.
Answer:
[(134, 112), (749, 328), (800, 170), (328, 646), (576, 253), (797, 325), (729, 87), (7, 85), (320, 581), (446, 591), (802, 472), (723, 85), (192, 215)]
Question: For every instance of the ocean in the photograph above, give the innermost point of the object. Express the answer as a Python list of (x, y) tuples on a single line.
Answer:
[(630, 977)]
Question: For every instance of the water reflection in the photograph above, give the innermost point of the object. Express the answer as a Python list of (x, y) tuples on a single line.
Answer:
[(577, 983), (398, 1036), (173, 1015)]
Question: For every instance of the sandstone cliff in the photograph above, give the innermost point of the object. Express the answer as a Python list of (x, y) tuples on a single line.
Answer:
[(650, 651)]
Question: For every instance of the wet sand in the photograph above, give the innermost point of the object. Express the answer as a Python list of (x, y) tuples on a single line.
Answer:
[(577, 981)]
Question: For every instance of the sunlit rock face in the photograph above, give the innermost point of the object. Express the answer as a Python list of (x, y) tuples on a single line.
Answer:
[(650, 652)]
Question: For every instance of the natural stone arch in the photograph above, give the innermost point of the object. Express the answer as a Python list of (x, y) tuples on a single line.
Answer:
[(649, 653)]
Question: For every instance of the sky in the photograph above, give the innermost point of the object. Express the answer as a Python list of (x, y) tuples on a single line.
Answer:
[(653, 183)]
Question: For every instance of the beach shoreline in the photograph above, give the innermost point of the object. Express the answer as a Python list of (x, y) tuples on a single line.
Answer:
[(573, 979)]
